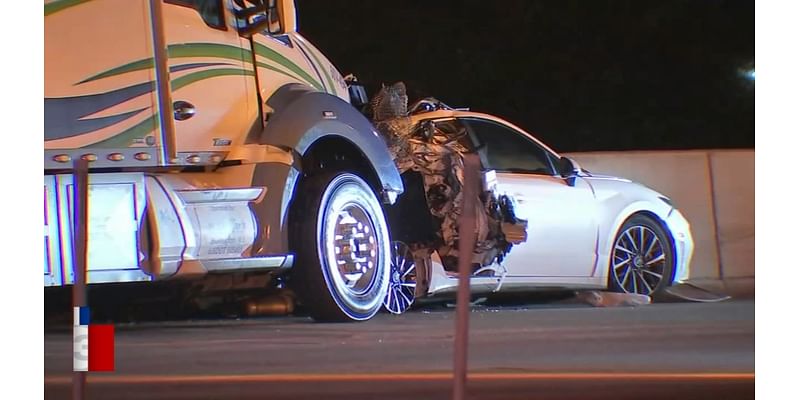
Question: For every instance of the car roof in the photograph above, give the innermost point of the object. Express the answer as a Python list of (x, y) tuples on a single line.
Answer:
[(451, 113)]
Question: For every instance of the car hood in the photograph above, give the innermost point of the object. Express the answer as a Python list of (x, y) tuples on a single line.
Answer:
[(591, 176), (606, 186)]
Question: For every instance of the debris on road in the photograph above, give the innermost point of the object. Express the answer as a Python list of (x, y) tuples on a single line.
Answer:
[(611, 299), (688, 292)]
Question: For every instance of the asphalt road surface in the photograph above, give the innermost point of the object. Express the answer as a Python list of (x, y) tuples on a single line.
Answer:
[(544, 351)]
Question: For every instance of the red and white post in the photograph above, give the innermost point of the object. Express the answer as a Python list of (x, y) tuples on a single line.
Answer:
[(466, 248), (80, 206)]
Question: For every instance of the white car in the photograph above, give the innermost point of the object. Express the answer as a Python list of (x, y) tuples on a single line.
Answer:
[(584, 231)]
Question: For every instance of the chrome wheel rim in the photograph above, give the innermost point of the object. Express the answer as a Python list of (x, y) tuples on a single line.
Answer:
[(639, 260), (402, 279), (352, 246)]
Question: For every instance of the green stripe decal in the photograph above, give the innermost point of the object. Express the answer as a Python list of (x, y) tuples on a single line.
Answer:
[(320, 65), (58, 5), (178, 51), (124, 138), (211, 73), (208, 50), (280, 71), (134, 66), (273, 55), (215, 51)]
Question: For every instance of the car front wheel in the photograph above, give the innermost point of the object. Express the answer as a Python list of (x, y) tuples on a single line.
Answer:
[(642, 259)]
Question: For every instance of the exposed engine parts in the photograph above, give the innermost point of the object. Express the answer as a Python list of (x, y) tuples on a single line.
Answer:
[(435, 151)]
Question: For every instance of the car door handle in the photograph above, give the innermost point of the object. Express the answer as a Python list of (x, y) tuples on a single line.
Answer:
[(183, 110)]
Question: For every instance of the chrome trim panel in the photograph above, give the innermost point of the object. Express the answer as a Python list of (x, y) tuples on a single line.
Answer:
[(118, 276), (167, 239), (223, 230), (229, 264), (196, 196), (217, 223)]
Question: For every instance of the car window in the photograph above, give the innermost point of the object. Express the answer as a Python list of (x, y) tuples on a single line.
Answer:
[(505, 149), (210, 11)]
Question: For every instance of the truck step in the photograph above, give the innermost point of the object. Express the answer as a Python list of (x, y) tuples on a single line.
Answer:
[(282, 262)]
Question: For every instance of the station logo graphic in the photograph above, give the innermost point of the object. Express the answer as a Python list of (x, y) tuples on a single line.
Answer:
[(93, 344)]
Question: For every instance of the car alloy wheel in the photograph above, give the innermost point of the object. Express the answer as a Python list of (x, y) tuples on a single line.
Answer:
[(641, 260), (402, 279)]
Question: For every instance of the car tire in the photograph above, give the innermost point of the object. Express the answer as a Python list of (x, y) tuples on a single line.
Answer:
[(341, 242), (402, 279), (642, 258)]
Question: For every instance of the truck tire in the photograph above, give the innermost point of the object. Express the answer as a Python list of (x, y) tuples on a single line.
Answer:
[(341, 242)]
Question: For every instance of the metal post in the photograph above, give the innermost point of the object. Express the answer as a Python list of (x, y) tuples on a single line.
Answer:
[(169, 147), (80, 201), (466, 248)]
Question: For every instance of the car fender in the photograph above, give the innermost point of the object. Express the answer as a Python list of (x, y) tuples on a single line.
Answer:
[(635, 207), (617, 201)]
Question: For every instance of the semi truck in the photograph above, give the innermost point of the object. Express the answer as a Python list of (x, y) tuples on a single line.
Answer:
[(221, 145)]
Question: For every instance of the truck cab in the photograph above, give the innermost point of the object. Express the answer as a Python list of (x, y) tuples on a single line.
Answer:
[(219, 141)]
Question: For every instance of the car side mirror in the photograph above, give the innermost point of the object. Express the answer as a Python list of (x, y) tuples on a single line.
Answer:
[(568, 169)]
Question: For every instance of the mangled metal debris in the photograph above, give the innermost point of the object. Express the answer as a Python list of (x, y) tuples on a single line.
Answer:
[(436, 150)]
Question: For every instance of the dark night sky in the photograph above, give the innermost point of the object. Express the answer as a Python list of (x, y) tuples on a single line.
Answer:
[(581, 75)]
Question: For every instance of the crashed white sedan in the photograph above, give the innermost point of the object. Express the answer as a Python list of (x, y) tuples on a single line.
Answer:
[(544, 222)]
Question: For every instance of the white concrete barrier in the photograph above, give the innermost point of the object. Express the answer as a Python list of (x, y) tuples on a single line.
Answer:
[(714, 189), (734, 199)]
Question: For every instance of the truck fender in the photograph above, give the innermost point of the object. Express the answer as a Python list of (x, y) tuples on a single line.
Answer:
[(302, 116)]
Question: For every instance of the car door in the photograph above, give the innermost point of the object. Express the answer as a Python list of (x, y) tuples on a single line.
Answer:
[(562, 228)]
